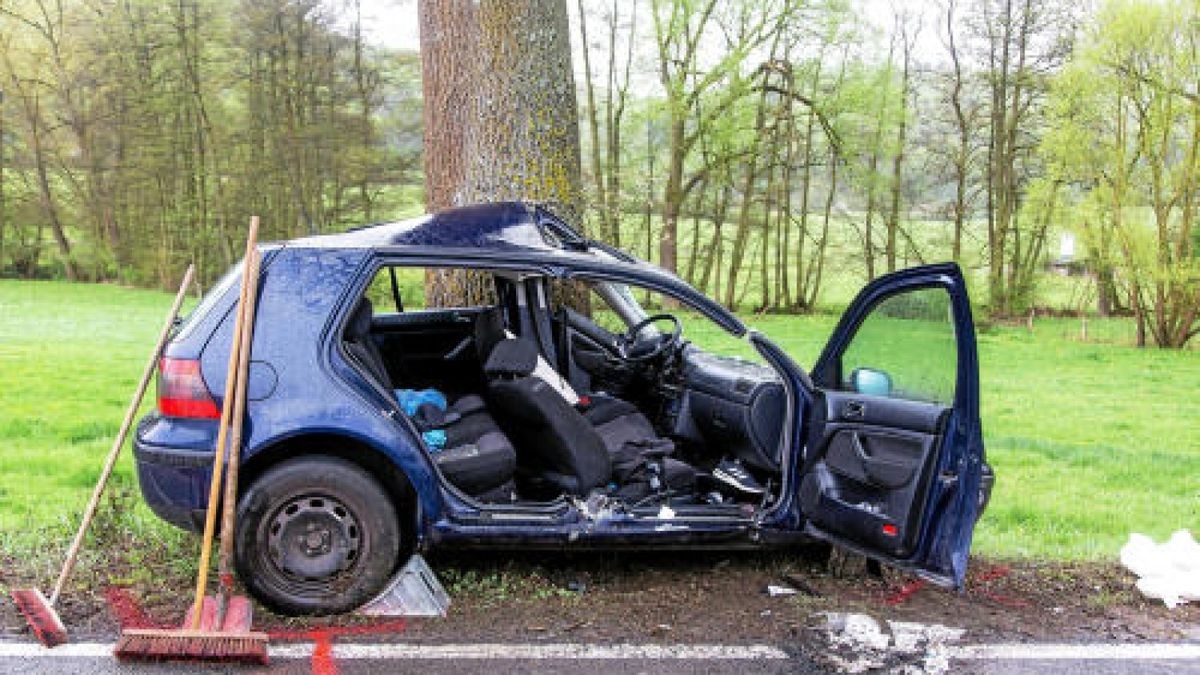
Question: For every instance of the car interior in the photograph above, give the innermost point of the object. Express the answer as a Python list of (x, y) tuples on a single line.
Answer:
[(529, 398)]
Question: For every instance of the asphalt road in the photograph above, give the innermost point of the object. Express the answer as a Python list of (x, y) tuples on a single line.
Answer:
[(96, 658), (1079, 667)]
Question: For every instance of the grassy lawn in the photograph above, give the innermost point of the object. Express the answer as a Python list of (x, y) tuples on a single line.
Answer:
[(70, 357), (1090, 440)]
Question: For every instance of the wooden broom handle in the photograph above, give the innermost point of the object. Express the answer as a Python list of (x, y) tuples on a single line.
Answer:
[(119, 441), (214, 487), (237, 423)]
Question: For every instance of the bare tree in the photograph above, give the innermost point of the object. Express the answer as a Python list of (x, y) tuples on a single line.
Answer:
[(1024, 41), (907, 33)]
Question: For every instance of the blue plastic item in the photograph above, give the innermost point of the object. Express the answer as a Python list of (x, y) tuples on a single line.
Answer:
[(435, 439), (411, 400)]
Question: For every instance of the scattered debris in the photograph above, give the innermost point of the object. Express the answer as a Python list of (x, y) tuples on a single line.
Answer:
[(797, 582), (779, 591), (910, 636), (1169, 572), (577, 586), (855, 630), (860, 644)]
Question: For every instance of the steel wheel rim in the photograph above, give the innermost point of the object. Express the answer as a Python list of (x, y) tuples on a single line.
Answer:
[(314, 545)]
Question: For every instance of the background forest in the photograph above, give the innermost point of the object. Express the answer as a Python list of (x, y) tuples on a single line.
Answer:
[(774, 153)]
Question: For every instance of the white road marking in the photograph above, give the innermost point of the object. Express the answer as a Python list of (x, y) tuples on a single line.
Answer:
[(569, 651), (84, 650), (1076, 652), (558, 651), (448, 651)]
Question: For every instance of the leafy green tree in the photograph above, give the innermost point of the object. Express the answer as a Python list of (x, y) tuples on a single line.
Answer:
[(1126, 133)]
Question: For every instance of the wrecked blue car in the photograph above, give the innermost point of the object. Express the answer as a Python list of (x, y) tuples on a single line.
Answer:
[(569, 407)]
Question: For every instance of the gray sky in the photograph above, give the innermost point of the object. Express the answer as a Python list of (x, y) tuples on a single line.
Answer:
[(394, 23), (391, 22)]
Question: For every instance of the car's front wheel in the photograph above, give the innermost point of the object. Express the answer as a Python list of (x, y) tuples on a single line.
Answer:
[(316, 535)]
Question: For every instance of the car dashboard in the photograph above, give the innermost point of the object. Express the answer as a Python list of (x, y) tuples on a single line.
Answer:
[(731, 406)]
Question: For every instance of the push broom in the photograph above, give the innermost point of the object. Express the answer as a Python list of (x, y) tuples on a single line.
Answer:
[(38, 610), (217, 629)]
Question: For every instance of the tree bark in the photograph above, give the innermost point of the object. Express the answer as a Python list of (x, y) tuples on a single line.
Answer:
[(524, 143), (500, 113), (449, 42)]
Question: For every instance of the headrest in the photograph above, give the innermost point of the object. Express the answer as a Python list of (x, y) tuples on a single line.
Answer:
[(360, 321), (512, 358), (489, 329)]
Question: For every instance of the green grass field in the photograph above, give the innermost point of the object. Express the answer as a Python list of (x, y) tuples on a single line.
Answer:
[(1090, 441)]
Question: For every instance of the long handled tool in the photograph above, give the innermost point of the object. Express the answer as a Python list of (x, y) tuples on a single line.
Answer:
[(38, 610), (217, 629)]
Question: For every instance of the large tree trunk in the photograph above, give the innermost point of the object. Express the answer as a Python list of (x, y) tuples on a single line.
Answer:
[(449, 40), (500, 114), (524, 143), (449, 37)]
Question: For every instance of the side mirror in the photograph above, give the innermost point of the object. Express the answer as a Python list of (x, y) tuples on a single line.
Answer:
[(871, 382)]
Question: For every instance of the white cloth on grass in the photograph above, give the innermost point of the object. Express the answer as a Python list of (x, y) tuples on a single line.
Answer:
[(1170, 571)]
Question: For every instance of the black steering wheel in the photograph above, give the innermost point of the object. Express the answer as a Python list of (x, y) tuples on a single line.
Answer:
[(626, 342)]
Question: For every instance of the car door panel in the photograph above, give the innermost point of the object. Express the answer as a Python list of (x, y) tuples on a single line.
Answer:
[(429, 347), (870, 467), (884, 459), (896, 474)]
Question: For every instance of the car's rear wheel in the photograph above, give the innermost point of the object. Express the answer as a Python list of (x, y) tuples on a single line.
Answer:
[(316, 535)]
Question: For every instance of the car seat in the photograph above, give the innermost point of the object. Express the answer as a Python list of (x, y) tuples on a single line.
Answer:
[(489, 331), (361, 345), (478, 456), (558, 451), (641, 461)]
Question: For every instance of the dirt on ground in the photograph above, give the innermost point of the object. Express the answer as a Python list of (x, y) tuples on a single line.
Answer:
[(706, 597)]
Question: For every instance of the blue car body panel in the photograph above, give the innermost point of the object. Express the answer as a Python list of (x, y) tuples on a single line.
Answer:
[(301, 385)]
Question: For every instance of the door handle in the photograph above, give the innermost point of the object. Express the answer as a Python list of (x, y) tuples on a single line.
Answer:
[(854, 410), (859, 447)]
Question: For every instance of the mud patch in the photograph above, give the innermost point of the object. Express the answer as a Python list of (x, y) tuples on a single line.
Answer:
[(685, 597)]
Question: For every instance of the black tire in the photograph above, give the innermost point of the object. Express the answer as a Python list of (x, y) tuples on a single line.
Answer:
[(316, 535)]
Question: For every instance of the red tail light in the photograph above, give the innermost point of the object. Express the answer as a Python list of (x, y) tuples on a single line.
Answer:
[(182, 392)]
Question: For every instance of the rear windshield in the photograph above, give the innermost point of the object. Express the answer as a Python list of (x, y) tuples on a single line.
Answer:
[(214, 294)]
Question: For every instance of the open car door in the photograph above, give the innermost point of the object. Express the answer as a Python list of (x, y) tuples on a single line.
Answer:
[(894, 452)]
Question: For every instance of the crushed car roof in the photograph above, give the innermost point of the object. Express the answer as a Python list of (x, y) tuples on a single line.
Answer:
[(501, 226)]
